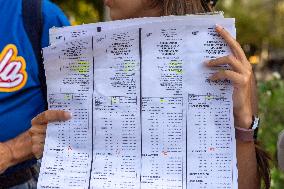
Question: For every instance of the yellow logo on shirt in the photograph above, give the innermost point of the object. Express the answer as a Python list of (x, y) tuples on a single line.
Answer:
[(13, 75)]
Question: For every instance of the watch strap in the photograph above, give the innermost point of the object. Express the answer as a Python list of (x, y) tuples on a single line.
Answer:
[(246, 135)]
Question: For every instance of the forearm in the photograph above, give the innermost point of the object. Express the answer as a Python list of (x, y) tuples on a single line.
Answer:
[(247, 166), (20, 148)]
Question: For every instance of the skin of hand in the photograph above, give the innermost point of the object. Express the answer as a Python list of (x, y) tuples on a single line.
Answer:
[(241, 77), (15, 151), (39, 126), (6, 157)]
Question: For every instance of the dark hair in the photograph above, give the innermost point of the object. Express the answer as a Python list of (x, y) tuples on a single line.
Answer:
[(263, 159), (182, 7)]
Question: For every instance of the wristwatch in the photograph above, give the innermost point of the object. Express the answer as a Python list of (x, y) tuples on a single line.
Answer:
[(248, 135)]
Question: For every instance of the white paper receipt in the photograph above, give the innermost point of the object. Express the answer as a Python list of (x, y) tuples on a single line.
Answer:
[(145, 114)]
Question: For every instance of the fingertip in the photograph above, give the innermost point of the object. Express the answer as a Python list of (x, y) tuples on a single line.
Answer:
[(67, 115), (218, 27), (207, 62)]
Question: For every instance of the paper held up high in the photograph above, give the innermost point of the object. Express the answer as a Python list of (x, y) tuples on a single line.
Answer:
[(145, 114)]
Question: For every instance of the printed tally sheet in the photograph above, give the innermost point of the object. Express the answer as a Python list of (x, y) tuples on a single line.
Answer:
[(144, 113)]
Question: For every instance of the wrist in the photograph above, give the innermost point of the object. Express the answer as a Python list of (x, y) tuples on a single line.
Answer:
[(243, 120), (11, 153), (248, 134), (6, 159)]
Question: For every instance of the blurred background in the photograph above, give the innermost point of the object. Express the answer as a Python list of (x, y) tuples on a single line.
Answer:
[(260, 25)]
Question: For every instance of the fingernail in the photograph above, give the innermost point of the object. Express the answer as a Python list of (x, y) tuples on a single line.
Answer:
[(206, 62), (67, 115), (218, 27)]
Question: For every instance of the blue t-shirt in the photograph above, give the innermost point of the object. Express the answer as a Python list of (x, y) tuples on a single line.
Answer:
[(21, 97)]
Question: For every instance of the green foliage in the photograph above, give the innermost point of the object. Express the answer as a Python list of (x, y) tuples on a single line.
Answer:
[(258, 21), (271, 104), (82, 11)]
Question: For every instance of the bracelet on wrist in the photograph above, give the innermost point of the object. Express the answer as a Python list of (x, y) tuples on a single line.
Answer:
[(248, 135)]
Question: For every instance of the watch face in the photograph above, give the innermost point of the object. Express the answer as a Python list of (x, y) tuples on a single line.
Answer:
[(255, 123), (254, 126)]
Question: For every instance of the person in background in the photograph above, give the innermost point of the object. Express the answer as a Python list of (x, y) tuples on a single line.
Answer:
[(21, 90), (252, 161), (280, 151)]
